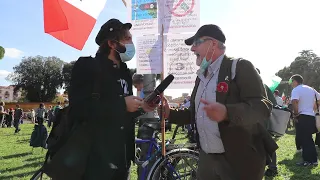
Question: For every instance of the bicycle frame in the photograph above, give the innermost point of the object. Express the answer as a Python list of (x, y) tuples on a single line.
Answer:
[(152, 145)]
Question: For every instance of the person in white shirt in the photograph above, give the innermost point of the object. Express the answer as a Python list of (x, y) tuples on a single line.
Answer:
[(303, 100), (278, 98)]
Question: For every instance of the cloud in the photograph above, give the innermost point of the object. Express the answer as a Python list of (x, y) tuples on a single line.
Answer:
[(4, 73), (13, 53)]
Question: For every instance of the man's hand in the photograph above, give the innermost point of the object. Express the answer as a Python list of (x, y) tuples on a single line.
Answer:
[(215, 111), (147, 108), (133, 103), (166, 108)]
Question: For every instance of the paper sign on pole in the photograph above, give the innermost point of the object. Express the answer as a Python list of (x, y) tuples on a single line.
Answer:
[(179, 61), (143, 14), (180, 15), (149, 55)]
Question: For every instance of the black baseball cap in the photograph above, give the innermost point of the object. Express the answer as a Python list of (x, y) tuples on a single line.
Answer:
[(210, 30), (110, 29)]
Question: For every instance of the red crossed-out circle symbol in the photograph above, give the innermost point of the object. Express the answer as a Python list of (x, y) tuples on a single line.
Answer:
[(172, 11)]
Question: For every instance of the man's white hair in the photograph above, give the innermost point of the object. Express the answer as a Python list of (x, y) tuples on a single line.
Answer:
[(221, 45)]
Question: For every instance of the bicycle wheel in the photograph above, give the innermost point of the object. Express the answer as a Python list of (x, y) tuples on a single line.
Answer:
[(170, 166)]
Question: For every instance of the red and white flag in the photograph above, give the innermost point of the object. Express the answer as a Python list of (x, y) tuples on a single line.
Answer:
[(71, 21)]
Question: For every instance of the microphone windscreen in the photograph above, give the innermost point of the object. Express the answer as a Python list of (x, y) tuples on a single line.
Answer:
[(165, 83)]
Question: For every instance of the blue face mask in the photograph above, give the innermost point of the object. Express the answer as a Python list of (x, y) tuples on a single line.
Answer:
[(141, 93), (205, 63), (130, 52)]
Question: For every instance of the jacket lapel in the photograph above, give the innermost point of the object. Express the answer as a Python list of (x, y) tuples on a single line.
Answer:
[(192, 100), (224, 76)]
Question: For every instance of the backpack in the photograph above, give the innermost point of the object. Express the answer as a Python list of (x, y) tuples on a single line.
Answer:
[(63, 126)]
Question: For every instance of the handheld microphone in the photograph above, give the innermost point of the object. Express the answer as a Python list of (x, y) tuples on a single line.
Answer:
[(154, 97)]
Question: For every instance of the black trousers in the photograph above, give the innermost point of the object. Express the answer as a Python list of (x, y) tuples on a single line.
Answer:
[(123, 174), (273, 164), (1, 119), (317, 141), (16, 123), (304, 130)]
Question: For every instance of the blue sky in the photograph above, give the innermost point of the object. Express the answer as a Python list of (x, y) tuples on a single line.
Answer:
[(268, 33)]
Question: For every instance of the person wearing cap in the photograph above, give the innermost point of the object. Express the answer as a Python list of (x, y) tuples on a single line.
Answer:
[(228, 112), (112, 114)]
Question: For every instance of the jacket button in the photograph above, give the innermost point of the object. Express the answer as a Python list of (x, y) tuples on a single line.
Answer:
[(120, 95), (121, 127)]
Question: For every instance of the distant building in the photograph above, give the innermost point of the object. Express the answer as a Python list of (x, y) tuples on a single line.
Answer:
[(7, 94)]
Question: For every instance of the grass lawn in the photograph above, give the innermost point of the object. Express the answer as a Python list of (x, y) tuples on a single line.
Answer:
[(18, 161)]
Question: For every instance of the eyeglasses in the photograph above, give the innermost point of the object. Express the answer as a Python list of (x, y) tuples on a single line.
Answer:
[(197, 42)]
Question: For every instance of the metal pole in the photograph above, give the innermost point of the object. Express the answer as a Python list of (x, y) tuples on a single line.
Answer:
[(149, 84)]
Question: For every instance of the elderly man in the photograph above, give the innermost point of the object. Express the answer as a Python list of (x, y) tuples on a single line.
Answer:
[(228, 112)]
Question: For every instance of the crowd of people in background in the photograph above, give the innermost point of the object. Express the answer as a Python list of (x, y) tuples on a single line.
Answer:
[(14, 117)]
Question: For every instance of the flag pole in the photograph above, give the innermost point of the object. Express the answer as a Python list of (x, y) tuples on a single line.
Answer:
[(124, 2), (162, 115), (163, 121)]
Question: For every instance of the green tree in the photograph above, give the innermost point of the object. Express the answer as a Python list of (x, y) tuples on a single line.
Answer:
[(58, 99), (39, 77), (66, 73), (2, 52), (307, 64), (23, 97)]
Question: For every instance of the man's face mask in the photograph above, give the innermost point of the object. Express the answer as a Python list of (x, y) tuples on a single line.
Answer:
[(205, 63), (130, 51)]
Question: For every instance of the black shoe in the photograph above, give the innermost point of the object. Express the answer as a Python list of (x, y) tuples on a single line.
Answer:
[(306, 164), (271, 172)]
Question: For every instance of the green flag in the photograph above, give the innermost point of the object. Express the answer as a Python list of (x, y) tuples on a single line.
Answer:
[(272, 82)]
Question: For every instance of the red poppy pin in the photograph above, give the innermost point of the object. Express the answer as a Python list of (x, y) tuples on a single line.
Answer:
[(222, 87)]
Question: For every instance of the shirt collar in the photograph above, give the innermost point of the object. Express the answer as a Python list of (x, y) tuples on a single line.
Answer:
[(215, 64)]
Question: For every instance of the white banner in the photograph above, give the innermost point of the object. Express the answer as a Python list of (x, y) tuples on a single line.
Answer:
[(179, 61), (149, 55), (177, 16), (180, 15), (143, 14)]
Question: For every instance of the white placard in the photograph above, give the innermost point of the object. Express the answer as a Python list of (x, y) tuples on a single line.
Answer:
[(149, 55), (143, 14), (179, 61), (180, 15)]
